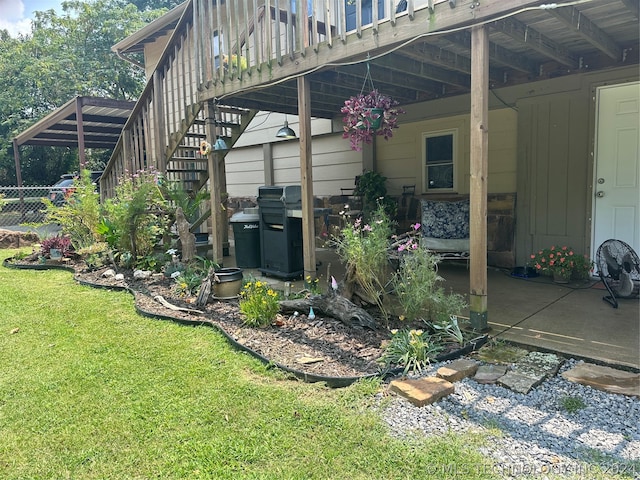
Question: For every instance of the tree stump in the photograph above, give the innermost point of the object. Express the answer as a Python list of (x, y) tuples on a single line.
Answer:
[(187, 239)]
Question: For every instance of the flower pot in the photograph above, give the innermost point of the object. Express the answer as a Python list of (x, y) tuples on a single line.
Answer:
[(372, 119), (227, 283), (559, 278)]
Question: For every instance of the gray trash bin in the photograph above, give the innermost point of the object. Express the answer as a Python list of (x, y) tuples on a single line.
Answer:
[(246, 234)]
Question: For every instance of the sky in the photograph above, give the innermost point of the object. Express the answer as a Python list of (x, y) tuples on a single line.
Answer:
[(16, 15)]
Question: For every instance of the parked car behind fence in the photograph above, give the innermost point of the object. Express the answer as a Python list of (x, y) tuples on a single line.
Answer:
[(24, 204)]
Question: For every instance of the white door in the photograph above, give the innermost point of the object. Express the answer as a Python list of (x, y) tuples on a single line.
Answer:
[(617, 165)]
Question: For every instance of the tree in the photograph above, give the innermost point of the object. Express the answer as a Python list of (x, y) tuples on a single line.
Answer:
[(66, 54)]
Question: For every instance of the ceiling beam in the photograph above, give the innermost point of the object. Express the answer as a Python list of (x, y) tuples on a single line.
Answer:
[(71, 144), (405, 85), (633, 6), (71, 127), (497, 54), (589, 31), (409, 66), (535, 40), (444, 58), (99, 119)]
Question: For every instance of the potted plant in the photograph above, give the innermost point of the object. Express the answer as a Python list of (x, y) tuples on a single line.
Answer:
[(368, 115), (561, 263)]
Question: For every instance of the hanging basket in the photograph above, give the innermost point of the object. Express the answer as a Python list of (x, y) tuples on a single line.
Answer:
[(372, 119)]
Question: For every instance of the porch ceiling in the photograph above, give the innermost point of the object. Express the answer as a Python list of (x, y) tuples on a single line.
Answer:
[(526, 47), (101, 125)]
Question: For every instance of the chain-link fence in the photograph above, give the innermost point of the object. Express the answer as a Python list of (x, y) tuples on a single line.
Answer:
[(24, 204)]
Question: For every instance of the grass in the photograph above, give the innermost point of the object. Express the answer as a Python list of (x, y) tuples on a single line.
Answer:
[(572, 404), (90, 389)]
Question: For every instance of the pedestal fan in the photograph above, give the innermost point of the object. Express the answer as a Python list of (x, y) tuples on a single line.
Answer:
[(619, 269)]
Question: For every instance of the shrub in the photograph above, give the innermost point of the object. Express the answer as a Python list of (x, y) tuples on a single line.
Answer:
[(187, 282), (411, 349), (562, 261), (363, 248), (61, 243), (79, 217), (137, 215), (417, 286), (258, 303)]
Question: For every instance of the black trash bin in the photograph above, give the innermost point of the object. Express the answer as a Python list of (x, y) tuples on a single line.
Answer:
[(246, 234)]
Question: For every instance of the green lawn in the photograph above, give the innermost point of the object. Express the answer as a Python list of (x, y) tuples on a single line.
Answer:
[(90, 389)]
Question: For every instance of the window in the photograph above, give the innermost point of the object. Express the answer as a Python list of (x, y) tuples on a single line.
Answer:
[(439, 161)]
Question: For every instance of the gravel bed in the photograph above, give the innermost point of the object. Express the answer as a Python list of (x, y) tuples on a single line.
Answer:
[(532, 435)]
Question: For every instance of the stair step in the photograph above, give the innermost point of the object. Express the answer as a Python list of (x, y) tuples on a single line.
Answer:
[(187, 159), (196, 135), (230, 109), (184, 170)]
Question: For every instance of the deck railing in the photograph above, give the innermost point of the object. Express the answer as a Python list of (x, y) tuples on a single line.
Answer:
[(221, 46)]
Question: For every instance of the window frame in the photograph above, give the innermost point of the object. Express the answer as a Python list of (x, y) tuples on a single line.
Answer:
[(454, 132)]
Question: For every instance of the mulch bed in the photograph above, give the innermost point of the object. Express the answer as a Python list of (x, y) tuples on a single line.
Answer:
[(322, 349)]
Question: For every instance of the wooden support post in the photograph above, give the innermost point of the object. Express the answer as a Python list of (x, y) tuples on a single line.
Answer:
[(213, 165), (479, 172), (16, 159), (158, 122), (306, 178), (79, 122)]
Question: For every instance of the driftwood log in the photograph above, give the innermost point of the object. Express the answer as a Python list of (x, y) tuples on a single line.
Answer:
[(187, 239), (331, 305)]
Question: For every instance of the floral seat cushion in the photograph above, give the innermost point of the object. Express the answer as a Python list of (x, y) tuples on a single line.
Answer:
[(446, 220)]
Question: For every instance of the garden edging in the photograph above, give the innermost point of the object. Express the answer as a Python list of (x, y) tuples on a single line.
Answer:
[(333, 382)]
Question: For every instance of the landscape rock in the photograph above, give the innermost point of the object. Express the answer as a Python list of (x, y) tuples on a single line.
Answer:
[(606, 379), (520, 382), (536, 364), (457, 370), (142, 274), (109, 273), (422, 391), (489, 373)]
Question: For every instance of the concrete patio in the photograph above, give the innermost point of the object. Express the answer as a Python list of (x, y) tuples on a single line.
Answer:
[(570, 319)]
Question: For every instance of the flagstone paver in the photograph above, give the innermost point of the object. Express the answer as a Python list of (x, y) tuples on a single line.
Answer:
[(458, 369), (422, 391), (489, 373), (605, 378)]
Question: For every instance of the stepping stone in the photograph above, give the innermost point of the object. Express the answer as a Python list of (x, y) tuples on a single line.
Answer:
[(537, 364), (422, 391), (457, 370), (531, 371), (501, 353), (605, 378), (519, 382), (489, 373)]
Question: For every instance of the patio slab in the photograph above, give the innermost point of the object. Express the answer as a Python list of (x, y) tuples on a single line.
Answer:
[(536, 313)]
